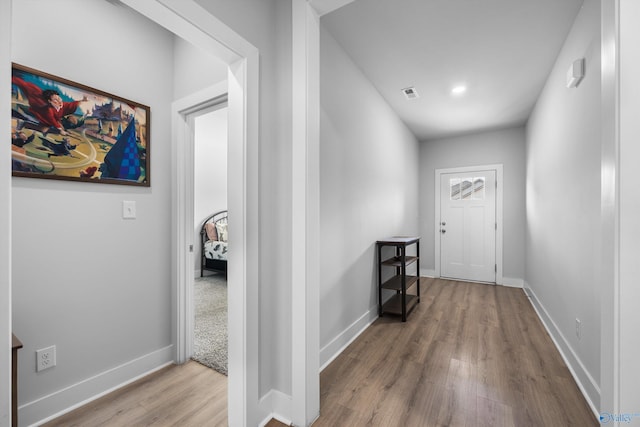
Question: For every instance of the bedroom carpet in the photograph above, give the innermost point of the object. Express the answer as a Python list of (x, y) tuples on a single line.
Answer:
[(210, 328)]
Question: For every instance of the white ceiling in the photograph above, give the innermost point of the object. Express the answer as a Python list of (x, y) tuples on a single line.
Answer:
[(503, 50)]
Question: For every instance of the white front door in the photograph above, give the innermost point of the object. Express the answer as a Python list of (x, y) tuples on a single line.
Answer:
[(467, 225)]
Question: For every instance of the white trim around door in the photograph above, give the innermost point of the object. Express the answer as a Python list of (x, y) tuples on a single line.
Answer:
[(184, 112), (305, 213), (498, 168), (188, 20)]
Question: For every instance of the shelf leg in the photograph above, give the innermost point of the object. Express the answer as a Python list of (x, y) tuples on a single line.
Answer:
[(403, 267), (418, 268), (379, 280)]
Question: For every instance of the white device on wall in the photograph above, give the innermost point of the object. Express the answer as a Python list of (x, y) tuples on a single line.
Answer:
[(575, 74)]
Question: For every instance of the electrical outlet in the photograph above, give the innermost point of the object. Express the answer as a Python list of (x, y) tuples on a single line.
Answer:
[(45, 358), (578, 329)]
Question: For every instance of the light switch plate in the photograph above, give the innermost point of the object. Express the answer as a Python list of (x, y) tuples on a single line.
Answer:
[(128, 209)]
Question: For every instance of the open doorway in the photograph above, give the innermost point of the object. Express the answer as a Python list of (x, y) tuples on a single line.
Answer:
[(210, 332), (242, 87)]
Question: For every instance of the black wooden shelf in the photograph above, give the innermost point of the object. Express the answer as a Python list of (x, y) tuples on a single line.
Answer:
[(402, 302), (396, 261), (394, 304), (395, 283)]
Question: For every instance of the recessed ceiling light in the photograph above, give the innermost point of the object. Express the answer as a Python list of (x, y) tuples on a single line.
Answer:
[(458, 90)]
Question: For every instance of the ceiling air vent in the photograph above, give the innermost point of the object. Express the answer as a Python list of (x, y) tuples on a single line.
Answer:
[(410, 92)]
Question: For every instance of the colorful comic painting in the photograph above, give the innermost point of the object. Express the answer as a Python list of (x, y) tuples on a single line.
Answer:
[(65, 130)]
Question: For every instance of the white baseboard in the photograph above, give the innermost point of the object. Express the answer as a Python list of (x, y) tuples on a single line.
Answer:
[(587, 385), (506, 281), (332, 350), (425, 272), (278, 405), (69, 398), (513, 282)]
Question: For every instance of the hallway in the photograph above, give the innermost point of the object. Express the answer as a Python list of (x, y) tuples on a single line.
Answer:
[(469, 355)]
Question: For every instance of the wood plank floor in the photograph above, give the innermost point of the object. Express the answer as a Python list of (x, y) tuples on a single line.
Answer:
[(178, 395), (469, 355)]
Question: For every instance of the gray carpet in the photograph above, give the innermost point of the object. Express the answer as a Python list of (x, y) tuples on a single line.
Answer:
[(210, 329)]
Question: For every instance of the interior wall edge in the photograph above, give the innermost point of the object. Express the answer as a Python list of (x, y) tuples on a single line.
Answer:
[(5, 217)]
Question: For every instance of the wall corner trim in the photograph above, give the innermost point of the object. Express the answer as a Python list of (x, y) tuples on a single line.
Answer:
[(512, 282), (277, 405)]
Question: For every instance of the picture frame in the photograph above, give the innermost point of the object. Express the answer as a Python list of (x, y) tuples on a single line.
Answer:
[(64, 130)]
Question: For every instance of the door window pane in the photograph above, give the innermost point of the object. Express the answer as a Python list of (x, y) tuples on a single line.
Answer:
[(466, 188), (478, 188), (454, 184)]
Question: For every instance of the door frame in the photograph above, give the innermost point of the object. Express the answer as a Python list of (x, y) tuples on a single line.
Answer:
[(184, 112), (498, 168), (190, 21)]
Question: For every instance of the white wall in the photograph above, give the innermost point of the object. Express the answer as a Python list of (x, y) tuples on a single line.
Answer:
[(194, 69), (95, 285), (563, 202), (506, 147), (368, 191), (210, 171)]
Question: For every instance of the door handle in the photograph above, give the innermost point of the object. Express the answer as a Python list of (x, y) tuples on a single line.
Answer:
[(443, 223), (443, 231)]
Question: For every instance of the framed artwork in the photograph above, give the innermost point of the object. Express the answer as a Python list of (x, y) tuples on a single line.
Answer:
[(65, 130)]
